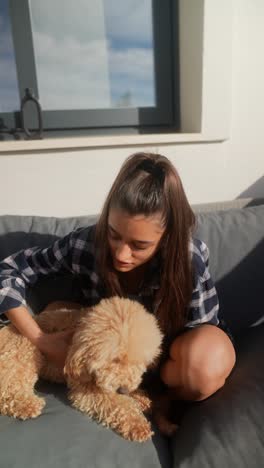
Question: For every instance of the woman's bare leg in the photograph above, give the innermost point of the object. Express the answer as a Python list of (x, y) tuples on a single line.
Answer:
[(200, 362)]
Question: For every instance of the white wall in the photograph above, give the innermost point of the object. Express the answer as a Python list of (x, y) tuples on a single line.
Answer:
[(75, 183)]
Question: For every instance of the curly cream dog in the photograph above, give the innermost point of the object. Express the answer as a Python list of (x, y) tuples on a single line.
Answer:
[(113, 344)]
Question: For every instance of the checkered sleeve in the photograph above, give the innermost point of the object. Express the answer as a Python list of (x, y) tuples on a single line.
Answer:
[(26, 266), (204, 304)]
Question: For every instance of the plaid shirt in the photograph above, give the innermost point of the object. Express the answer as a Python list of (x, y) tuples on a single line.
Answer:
[(75, 254)]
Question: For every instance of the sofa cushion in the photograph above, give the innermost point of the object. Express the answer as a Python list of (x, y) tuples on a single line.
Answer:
[(236, 242), (63, 437), (226, 430)]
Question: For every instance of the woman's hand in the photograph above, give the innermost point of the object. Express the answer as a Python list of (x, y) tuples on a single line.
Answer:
[(55, 346)]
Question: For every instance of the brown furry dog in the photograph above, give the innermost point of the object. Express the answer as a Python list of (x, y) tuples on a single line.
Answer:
[(113, 344)]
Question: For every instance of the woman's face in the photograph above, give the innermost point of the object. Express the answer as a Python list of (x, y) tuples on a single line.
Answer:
[(133, 240)]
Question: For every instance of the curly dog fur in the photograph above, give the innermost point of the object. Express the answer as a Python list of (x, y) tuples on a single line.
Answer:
[(113, 344)]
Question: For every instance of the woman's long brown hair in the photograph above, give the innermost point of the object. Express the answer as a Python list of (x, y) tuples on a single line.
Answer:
[(149, 184)]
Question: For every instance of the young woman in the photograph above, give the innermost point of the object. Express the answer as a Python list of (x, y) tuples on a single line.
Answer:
[(142, 247)]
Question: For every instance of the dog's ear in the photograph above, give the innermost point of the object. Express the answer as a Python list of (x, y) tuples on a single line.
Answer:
[(154, 364), (86, 352), (75, 362)]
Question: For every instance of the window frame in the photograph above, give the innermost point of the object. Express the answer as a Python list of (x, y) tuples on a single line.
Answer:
[(164, 115)]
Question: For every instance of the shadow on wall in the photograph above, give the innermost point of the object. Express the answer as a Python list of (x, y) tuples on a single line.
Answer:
[(256, 190)]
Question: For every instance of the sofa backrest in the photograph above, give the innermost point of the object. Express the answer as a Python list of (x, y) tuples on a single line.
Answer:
[(21, 232), (235, 237)]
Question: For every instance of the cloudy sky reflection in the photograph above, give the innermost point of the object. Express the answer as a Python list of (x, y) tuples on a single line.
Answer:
[(90, 55)]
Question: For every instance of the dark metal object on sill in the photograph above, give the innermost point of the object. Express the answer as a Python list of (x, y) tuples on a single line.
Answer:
[(4, 130), (17, 132), (29, 96)]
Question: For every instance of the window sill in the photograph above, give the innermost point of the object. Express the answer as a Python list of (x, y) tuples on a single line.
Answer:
[(71, 143)]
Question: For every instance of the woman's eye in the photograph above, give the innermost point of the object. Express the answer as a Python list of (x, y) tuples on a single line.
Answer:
[(115, 237), (136, 247)]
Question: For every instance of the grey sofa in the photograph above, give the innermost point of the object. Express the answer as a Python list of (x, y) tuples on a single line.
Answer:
[(226, 430)]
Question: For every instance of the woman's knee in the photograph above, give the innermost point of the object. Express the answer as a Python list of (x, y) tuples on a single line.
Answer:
[(200, 361)]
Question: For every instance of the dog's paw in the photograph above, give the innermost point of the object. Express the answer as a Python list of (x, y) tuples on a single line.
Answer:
[(143, 401), (137, 430), (165, 426), (168, 428), (26, 408)]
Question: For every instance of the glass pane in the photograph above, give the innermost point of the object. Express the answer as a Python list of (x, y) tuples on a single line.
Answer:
[(94, 54), (9, 95)]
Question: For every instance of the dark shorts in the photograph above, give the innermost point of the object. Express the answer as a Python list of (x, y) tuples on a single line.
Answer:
[(222, 324)]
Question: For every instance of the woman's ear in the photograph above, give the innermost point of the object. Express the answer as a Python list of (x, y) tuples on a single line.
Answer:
[(164, 244)]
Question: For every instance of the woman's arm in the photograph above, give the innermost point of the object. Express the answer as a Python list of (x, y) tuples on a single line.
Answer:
[(24, 268), (25, 324), (53, 345), (204, 304)]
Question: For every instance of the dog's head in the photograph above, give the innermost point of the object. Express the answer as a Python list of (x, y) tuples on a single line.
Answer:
[(113, 345)]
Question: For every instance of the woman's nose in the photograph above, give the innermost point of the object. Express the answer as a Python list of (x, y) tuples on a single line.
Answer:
[(123, 253)]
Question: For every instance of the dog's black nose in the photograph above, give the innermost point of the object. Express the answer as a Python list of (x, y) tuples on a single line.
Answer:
[(122, 390)]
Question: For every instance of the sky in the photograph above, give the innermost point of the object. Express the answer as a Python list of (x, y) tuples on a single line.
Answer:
[(9, 97), (100, 58)]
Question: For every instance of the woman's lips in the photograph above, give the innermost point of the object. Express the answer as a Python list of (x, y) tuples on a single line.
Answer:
[(123, 263)]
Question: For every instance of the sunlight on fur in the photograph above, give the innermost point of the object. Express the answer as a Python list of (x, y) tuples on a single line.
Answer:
[(113, 344)]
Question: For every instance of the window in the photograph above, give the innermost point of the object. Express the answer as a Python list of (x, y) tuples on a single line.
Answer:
[(92, 65)]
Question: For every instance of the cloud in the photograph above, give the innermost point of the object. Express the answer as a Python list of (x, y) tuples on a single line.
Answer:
[(72, 74), (129, 21), (134, 64), (84, 21), (132, 73), (77, 65), (125, 21)]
